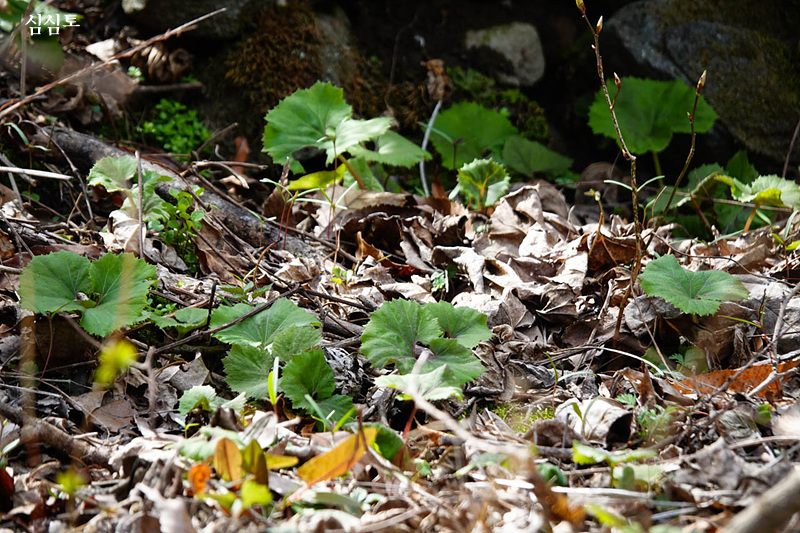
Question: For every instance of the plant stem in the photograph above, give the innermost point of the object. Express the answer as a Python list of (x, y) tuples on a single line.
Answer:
[(657, 164), (425, 139), (352, 171), (637, 262)]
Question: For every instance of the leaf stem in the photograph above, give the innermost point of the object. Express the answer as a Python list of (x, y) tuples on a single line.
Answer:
[(352, 171)]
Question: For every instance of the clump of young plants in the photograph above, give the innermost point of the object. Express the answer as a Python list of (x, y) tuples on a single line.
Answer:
[(319, 118), (175, 127), (177, 225)]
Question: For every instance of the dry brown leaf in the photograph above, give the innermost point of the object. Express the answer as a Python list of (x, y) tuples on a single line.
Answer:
[(228, 460)]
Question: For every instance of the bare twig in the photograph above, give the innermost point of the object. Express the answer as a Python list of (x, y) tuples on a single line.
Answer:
[(97, 66)]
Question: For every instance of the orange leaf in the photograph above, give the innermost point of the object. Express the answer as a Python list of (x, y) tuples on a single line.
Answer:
[(339, 460), (744, 382), (199, 475), (228, 460)]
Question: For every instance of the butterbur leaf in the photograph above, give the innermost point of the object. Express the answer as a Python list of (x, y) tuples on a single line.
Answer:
[(339, 460), (316, 117), (259, 330), (766, 190), (463, 324), (438, 384), (351, 132), (365, 172), (293, 340), (184, 320), (113, 173), (392, 149), (52, 282), (483, 180), (528, 157), (468, 130), (307, 373), (122, 282), (394, 330), (387, 441), (228, 460), (649, 112), (247, 368), (200, 396), (334, 407), (458, 359), (698, 293)]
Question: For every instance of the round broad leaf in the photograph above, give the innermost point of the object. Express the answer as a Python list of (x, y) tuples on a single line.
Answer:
[(698, 293), (394, 331)]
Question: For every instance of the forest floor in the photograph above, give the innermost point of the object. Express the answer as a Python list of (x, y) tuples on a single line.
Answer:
[(259, 360)]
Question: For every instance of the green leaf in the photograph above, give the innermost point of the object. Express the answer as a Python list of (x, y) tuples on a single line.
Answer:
[(199, 396), (318, 180), (438, 384), (293, 340), (649, 112), (184, 320), (122, 283), (483, 180), (338, 404), (464, 366), (391, 148), (474, 129), (52, 282), (739, 167), (698, 293), (307, 373), (463, 324), (113, 173), (365, 172), (388, 441), (766, 190), (351, 132), (393, 332), (528, 157), (153, 208), (316, 117), (260, 329), (586, 455), (254, 493), (247, 369)]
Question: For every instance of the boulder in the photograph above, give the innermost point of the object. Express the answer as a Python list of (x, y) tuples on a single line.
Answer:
[(519, 44), (749, 49)]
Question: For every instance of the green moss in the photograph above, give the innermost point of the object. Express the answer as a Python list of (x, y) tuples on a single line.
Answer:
[(521, 418), (281, 55), (526, 114)]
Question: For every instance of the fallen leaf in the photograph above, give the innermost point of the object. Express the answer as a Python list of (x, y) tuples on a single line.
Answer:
[(339, 460), (199, 475), (228, 460)]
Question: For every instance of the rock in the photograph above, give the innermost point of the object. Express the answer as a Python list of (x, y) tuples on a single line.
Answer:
[(517, 42), (159, 16), (749, 51)]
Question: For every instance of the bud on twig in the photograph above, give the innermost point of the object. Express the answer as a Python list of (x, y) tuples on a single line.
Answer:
[(581, 6), (701, 82), (599, 27), (617, 81)]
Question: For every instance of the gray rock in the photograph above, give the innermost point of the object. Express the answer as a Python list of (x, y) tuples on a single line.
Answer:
[(519, 43), (158, 16), (750, 54)]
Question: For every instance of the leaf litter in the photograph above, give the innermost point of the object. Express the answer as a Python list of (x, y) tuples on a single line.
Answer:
[(576, 411)]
